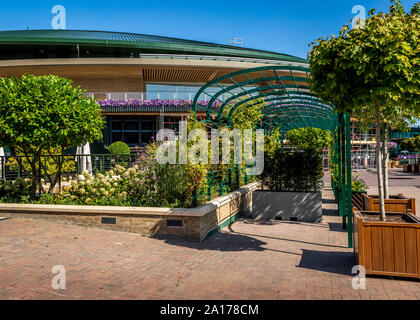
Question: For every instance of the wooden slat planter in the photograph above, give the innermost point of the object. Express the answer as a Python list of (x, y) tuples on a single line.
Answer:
[(358, 200), (387, 248), (396, 203)]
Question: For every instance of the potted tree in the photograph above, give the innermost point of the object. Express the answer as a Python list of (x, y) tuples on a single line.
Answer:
[(378, 84)]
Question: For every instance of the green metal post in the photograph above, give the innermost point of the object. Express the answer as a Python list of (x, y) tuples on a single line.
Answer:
[(221, 184), (343, 170), (282, 142), (208, 187), (339, 167), (349, 206), (238, 177)]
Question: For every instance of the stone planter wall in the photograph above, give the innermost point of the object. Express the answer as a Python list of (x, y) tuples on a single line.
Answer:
[(192, 224)]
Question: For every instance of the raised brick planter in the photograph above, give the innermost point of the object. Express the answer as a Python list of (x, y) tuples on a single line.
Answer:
[(192, 224)]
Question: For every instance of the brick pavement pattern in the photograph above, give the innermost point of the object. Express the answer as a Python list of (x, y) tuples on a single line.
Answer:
[(248, 260)]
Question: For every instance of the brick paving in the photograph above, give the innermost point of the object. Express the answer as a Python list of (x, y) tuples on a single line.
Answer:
[(248, 260)]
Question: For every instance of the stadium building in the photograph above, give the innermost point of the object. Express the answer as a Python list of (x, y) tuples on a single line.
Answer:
[(143, 82)]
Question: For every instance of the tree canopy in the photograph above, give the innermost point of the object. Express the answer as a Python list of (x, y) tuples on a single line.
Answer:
[(376, 65), (372, 72), (39, 114)]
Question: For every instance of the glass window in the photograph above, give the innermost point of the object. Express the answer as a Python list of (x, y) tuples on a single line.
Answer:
[(116, 125), (146, 137), (116, 136), (131, 138), (131, 125), (147, 124)]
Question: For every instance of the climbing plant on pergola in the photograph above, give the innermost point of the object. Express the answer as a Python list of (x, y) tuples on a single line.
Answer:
[(287, 104)]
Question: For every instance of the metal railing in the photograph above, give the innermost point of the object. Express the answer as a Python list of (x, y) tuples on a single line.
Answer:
[(217, 183), (13, 167), (221, 182)]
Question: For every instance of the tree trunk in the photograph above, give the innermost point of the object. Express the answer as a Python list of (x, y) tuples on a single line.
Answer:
[(385, 161), (379, 166)]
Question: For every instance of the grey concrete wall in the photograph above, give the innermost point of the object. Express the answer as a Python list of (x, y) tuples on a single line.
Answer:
[(303, 206)]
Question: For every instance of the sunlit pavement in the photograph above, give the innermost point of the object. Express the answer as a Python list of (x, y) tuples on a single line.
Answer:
[(399, 182), (272, 260)]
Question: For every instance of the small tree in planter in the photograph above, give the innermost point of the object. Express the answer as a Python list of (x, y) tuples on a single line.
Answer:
[(39, 114), (373, 73)]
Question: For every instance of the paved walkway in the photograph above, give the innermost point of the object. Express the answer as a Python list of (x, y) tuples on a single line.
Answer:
[(398, 181), (272, 260)]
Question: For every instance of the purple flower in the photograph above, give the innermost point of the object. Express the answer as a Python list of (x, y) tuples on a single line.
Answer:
[(156, 103)]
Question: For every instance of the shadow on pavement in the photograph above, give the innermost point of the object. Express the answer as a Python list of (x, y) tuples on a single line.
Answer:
[(333, 262), (329, 201), (221, 241), (330, 212), (336, 226)]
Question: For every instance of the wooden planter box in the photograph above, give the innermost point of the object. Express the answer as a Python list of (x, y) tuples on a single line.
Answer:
[(387, 248), (396, 203), (358, 200)]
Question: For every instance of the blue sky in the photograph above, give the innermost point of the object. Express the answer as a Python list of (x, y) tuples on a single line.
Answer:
[(282, 26)]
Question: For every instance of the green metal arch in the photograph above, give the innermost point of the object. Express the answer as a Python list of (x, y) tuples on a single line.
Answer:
[(288, 102)]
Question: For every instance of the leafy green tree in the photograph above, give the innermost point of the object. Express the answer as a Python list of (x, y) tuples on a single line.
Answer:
[(42, 113), (309, 138), (372, 73)]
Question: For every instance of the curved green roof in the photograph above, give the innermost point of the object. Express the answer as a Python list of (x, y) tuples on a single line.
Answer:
[(136, 41)]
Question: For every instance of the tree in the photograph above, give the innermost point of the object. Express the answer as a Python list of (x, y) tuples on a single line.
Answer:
[(372, 72), (309, 138), (42, 114)]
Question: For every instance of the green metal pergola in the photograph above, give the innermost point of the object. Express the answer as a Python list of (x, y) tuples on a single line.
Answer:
[(287, 104)]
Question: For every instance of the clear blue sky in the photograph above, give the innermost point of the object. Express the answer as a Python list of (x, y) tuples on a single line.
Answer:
[(282, 26)]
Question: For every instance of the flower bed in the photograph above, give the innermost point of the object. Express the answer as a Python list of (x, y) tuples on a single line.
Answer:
[(146, 183), (170, 105)]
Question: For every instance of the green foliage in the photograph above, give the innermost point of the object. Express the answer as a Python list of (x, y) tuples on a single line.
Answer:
[(411, 144), (309, 138), (247, 115), (48, 165), (372, 69), (119, 148), (358, 184), (17, 191), (40, 113), (292, 171)]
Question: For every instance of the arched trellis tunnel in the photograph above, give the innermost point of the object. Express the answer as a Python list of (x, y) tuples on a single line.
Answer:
[(287, 104)]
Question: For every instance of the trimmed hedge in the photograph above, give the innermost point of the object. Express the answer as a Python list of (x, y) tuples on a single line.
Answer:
[(119, 147), (293, 171)]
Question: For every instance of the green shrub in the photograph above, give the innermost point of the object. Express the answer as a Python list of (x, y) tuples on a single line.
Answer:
[(17, 191), (358, 184), (293, 171), (119, 148)]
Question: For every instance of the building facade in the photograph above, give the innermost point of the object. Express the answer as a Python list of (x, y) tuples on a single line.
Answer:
[(143, 82)]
